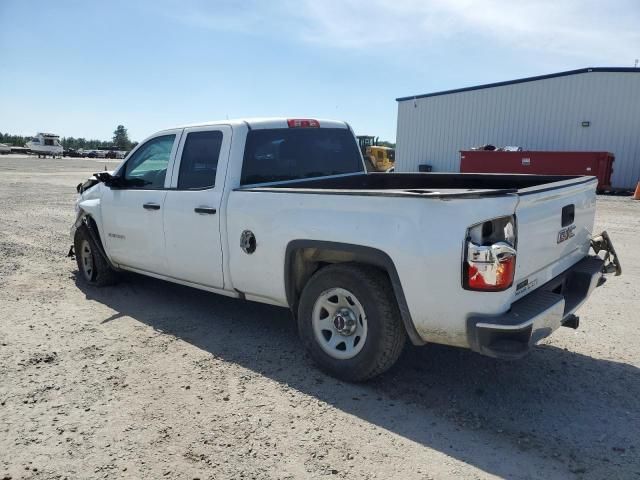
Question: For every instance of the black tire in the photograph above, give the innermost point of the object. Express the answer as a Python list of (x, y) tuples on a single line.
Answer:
[(97, 271), (386, 336)]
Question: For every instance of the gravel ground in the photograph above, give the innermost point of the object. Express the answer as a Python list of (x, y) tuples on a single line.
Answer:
[(149, 379)]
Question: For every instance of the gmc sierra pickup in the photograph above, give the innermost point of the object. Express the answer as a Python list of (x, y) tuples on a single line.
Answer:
[(282, 211)]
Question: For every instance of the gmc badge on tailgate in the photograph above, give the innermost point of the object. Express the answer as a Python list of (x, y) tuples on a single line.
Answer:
[(566, 233)]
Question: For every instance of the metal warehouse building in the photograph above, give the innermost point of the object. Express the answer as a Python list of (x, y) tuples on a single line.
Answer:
[(591, 109)]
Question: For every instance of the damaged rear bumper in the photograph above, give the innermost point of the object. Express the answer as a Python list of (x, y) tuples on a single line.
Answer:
[(535, 316)]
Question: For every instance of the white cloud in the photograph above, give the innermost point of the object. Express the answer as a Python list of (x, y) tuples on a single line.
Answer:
[(604, 31), (589, 30)]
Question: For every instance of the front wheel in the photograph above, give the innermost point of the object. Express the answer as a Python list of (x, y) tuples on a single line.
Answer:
[(349, 321), (92, 266)]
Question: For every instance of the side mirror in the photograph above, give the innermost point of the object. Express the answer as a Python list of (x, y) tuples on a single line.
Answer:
[(109, 180)]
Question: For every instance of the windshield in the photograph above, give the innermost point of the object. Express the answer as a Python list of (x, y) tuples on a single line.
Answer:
[(296, 153)]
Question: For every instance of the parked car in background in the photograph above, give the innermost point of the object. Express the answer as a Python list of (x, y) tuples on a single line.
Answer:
[(282, 211), (70, 152), (4, 149), (114, 153)]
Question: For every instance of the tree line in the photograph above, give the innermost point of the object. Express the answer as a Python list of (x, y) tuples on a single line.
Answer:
[(120, 141)]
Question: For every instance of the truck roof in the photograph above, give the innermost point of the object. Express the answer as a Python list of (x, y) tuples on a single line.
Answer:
[(267, 122)]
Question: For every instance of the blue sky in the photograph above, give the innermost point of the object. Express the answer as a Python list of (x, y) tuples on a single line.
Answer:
[(79, 68)]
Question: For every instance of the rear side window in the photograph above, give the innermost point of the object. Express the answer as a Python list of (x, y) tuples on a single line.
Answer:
[(199, 160), (296, 153)]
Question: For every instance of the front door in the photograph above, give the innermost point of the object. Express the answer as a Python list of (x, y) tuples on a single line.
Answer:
[(132, 213), (192, 207)]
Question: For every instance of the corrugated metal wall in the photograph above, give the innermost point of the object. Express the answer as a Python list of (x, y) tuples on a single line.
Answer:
[(537, 115)]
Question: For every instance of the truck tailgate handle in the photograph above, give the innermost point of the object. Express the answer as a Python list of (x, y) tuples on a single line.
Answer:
[(206, 210), (568, 214), (151, 206)]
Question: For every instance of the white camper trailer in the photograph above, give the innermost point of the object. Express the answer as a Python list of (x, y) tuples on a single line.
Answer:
[(45, 144)]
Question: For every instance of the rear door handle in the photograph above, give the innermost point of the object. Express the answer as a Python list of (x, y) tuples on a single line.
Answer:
[(151, 206), (206, 210)]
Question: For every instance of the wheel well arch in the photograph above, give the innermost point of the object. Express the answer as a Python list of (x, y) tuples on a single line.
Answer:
[(85, 218), (304, 257)]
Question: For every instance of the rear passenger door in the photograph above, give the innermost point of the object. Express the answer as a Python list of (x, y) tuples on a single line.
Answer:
[(192, 207)]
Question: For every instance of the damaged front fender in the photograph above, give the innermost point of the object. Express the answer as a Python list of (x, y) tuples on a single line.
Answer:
[(89, 207), (88, 203)]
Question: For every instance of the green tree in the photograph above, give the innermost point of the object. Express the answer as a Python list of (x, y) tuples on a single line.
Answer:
[(14, 140), (121, 138)]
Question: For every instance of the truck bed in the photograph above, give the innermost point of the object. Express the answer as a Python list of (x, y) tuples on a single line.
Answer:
[(456, 185)]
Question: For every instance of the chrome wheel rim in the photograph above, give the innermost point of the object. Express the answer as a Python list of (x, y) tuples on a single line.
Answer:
[(339, 323), (86, 259)]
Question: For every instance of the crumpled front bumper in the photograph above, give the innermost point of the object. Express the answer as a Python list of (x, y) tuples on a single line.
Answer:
[(535, 316)]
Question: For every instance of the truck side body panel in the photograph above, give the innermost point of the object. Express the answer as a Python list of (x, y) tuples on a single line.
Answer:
[(424, 238)]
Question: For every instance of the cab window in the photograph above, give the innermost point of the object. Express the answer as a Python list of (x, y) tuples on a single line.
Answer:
[(147, 168), (295, 153), (199, 160)]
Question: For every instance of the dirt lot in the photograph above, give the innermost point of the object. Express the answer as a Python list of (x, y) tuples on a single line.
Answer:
[(149, 379)]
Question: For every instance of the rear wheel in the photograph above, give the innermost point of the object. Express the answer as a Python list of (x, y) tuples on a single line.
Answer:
[(92, 266), (349, 321)]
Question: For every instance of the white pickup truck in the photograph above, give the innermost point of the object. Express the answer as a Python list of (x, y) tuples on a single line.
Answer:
[(282, 211)]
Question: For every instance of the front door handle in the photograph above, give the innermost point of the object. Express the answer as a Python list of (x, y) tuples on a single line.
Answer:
[(151, 206), (206, 210)]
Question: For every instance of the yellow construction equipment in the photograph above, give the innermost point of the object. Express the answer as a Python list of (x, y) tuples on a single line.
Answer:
[(378, 158)]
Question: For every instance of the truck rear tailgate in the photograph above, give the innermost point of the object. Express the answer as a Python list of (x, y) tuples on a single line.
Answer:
[(555, 226)]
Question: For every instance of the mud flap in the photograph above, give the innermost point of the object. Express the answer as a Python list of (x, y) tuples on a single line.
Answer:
[(602, 243)]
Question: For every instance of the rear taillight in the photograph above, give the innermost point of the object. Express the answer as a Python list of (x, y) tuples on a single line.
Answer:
[(303, 123), (490, 255), (490, 268)]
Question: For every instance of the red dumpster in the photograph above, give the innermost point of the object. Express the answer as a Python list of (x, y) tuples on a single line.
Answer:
[(598, 164)]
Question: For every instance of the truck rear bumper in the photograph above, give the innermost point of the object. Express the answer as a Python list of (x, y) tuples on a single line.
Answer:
[(535, 316)]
